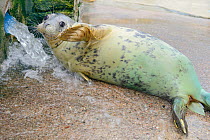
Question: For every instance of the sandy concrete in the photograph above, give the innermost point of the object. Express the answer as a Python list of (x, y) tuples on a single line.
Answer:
[(192, 7), (55, 109)]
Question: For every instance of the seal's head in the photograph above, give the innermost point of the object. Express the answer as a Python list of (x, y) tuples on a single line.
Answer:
[(54, 24)]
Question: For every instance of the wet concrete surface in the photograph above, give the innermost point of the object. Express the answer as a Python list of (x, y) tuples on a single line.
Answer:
[(55, 109)]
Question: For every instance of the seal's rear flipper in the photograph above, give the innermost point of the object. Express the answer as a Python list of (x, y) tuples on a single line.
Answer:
[(197, 108), (179, 109)]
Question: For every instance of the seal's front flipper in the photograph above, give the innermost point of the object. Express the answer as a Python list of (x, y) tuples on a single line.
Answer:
[(85, 32), (80, 70), (179, 109)]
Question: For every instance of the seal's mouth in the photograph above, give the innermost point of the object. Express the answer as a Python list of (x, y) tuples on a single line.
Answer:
[(48, 31), (40, 28)]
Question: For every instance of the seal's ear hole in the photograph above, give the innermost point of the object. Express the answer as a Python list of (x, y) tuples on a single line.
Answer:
[(62, 24), (46, 17)]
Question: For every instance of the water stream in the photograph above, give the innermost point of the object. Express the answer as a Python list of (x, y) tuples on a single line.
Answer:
[(29, 53)]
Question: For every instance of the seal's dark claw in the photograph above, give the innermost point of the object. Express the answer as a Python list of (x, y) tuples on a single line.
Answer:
[(86, 78), (182, 125)]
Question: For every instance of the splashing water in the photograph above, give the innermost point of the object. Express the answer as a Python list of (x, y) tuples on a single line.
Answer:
[(31, 45), (29, 52)]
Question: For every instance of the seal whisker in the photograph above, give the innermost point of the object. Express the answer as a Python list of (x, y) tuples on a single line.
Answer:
[(34, 30)]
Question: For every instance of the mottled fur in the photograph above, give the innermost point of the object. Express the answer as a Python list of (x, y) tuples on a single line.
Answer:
[(128, 58)]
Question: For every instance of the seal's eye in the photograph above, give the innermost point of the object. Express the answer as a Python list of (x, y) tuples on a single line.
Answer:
[(62, 24), (46, 17)]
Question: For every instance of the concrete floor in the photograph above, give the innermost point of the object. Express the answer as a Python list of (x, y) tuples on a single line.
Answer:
[(55, 109)]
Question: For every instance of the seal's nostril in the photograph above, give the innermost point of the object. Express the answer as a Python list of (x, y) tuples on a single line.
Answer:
[(46, 24)]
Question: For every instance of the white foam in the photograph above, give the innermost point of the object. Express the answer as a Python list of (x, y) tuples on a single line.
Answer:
[(34, 74), (32, 46), (29, 52)]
